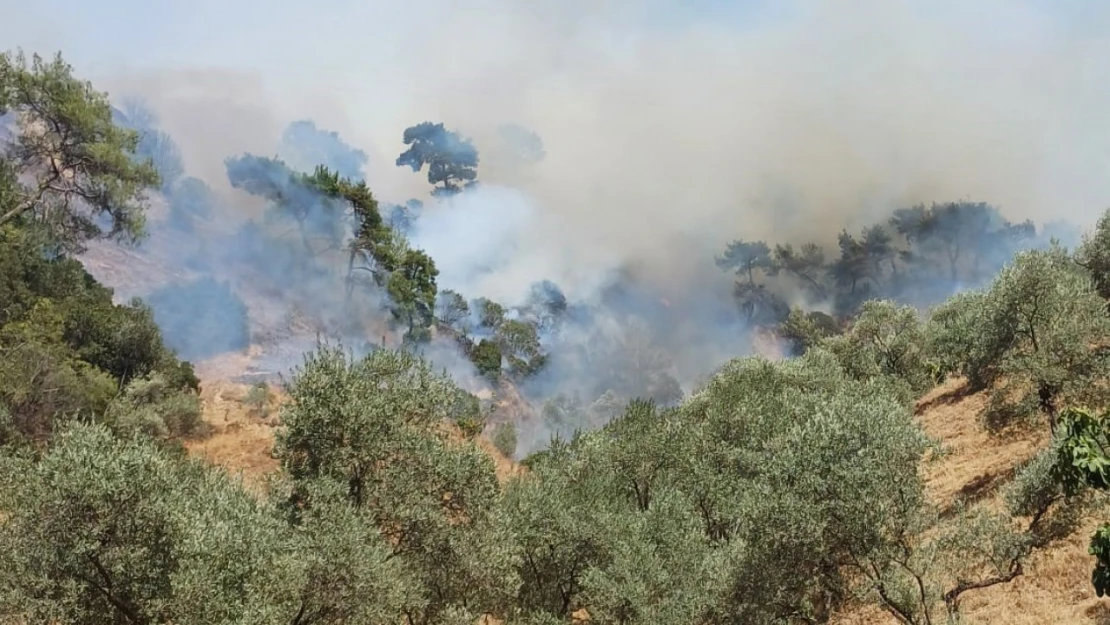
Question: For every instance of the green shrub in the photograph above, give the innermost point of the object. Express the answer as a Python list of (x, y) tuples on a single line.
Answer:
[(805, 330), (1094, 255), (885, 340), (954, 340), (151, 406), (372, 428), (258, 399), (471, 427), (1034, 335), (504, 439), (486, 356), (466, 411), (99, 518)]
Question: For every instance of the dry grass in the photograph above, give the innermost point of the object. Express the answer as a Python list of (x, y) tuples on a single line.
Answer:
[(976, 462), (505, 467), (239, 440), (242, 441), (1056, 587)]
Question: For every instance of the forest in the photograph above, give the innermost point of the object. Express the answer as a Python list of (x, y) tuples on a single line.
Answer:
[(761, 490)]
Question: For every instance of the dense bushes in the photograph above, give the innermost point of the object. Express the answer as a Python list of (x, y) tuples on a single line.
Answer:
[(67, 351), (67, 348), (774, 495), (486, 357), (153, 407), (104, 530), (504, 439), (373, 428), (885, 341)]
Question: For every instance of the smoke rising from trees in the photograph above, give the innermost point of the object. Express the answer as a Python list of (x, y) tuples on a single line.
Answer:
[(624, 147)]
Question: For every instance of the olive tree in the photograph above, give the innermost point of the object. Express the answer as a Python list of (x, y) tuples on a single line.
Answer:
[(885, 340), (1094, 255), (701, 514), (374, 428), (1036, 334), (109, 531)]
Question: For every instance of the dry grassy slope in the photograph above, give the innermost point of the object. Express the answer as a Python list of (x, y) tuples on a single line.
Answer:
[(242, 440), (1055, 589), (238, 438)]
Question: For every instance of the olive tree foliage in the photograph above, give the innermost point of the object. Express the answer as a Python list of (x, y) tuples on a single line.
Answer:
[(1036, 334), (334, 567), (108, 530), (952, 342), (70, 168), (103, 531), (931, 558), (504, 438), (1094, 255), (885, 340), (152, 406), (712, 496), (804, 330), (373, 427), (762, 421)]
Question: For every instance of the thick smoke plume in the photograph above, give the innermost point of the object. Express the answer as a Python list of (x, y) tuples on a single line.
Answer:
[(623, 144)]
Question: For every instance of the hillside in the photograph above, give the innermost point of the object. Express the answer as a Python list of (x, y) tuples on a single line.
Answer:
[(1055, 587), (241, 439), (685, 424)]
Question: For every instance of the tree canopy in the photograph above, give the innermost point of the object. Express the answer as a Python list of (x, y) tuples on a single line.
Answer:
[(452, 160), (70, 167)]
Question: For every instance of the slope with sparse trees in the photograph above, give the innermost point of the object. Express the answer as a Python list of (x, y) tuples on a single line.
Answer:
[(780, 492)]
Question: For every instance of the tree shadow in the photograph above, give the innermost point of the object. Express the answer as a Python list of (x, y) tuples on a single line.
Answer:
[(978, 489), (946, 398)]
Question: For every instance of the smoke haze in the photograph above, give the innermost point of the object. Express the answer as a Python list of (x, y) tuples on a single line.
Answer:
[(659, 117), (669, 128)]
